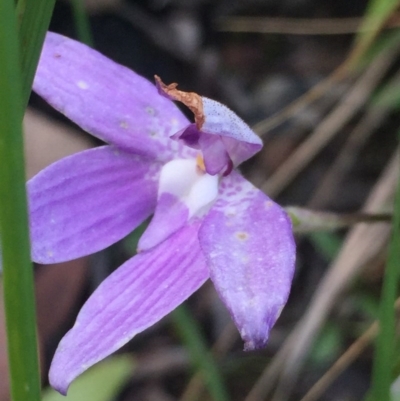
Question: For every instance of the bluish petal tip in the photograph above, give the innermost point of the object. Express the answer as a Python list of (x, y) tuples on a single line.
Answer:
[(57, 381), (254, 345)]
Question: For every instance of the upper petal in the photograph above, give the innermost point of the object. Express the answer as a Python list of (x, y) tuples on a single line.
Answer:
[(240, 141), (223, 137), (134, 297), (88, 201), (107, 100), (248, 243)]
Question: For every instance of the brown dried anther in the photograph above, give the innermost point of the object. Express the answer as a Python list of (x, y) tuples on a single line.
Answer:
[(190, 99)]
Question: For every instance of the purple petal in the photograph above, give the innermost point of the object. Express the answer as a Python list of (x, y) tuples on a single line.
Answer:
[(184, 192), (240, 141), (88, 201), (249, 246), (134, 297), (236, 141), (170, 215), (216, 158), (107, 100)]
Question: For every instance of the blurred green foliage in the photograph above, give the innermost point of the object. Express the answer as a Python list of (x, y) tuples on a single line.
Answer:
[(102, 382)]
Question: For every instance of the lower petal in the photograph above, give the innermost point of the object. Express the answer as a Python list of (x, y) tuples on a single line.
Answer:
[(134, 297), (171, 214), (249, 246), (185, 191), (88, 201)]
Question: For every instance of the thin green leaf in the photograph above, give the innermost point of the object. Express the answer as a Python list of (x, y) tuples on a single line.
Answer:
[(200, 355), (328, 244), (389, 95), (382, 374), (376, 15), (102, 382), (19, 298), (387, 40), (82, 22), (34, 19), (327, 346)]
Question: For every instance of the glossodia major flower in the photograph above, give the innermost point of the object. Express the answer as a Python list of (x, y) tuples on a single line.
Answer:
[(208, 221)]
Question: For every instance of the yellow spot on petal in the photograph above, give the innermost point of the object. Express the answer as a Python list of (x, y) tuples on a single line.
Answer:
[(242, 236), (200, 163)]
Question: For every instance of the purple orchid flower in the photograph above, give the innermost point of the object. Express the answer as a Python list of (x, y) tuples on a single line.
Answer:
[(209, 222)]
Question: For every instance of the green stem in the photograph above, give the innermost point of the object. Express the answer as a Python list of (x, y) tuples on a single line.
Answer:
[(33, 21), (382, 374), (82, 22), (19, 297), (200, 355)]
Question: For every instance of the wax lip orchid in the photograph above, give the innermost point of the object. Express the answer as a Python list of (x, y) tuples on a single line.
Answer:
[(208, 221)]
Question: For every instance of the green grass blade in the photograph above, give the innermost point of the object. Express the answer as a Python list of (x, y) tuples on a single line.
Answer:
[(33, 20), (200, 355), (328, 244), (382, 374), (102, 382), (17, 270), (376, 15), (82, 22)]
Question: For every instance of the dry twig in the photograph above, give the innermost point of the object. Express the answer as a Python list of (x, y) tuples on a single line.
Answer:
[(348, 357), (351, 104), (297, 26)]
